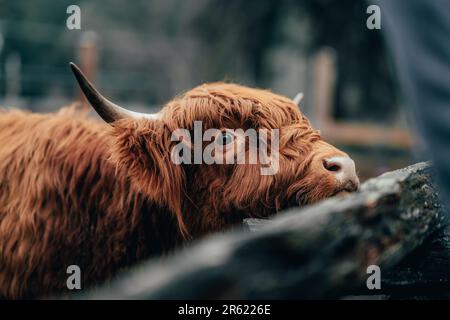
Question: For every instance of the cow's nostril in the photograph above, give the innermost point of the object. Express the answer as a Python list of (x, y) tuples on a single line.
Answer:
[(332, 165), (343, 169)]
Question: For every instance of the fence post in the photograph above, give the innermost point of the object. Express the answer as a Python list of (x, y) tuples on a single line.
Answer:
[(88, 59)]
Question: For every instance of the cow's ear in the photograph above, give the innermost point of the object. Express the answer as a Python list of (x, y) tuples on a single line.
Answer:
[(142, 150)]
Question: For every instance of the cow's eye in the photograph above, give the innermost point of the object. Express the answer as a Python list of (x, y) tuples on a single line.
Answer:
[(225, 138)]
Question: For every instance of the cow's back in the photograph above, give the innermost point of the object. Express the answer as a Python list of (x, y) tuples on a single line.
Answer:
[(55, 182)]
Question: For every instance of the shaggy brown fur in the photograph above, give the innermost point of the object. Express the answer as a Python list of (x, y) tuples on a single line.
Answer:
[(76, 191)]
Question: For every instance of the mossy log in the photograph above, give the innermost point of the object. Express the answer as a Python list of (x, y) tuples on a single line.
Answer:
[(321, 251)]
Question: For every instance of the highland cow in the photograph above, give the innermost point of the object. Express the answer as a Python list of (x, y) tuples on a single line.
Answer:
[(104, 196)]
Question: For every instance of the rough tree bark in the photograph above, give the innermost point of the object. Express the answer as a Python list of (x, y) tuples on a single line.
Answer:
[(321, 251)]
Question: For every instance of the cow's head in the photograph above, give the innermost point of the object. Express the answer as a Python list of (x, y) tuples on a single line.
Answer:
[(206, 197)]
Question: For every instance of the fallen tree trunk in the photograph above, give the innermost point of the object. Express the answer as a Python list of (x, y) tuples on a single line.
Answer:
[(321, 251)]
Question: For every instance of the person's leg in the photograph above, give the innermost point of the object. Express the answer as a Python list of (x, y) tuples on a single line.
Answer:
[(418, 34)]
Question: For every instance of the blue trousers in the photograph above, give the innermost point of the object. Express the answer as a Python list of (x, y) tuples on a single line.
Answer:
[(418, 36)]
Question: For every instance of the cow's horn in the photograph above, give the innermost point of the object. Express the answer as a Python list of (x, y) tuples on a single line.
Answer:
[(298, 98), (107, 110)]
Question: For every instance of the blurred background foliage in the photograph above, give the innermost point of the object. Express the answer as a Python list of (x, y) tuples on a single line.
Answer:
[(151, 50)]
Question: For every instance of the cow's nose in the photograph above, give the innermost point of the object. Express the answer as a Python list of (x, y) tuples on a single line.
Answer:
[(344, 170)]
